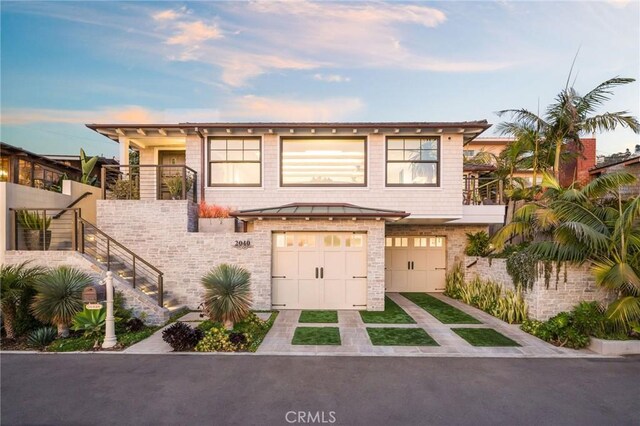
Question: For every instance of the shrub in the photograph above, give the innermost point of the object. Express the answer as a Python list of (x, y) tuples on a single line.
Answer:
[(218, 339), (181, 336), (16, 291), (123, 189), (511, 307), (134, 324), (174, 185), (211, 211), (570, 329), (42, 337), (454, 281), (92, 323), (59, 297), (477, 244), (227, 294)]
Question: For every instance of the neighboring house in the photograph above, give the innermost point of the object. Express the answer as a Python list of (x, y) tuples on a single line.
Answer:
[(74, 161), (575, 168), (336, 213), (629, 164), (22, 167)]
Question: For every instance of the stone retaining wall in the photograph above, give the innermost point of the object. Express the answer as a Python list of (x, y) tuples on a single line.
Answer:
[(160, 232), (135, 300), (544, 302)]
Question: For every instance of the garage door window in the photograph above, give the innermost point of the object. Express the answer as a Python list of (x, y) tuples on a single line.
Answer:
[(332, 241), (306, 241), (420, 242), (283, 240), (355, 241)]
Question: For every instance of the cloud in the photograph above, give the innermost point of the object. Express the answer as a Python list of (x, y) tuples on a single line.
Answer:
[(166, 15), (126, 114), (252, 107), (331, 78), (190, 33)]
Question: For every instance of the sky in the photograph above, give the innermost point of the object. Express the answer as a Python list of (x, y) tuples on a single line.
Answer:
[(64, 64)]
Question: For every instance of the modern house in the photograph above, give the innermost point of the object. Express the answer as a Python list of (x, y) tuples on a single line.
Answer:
[(333, 214)]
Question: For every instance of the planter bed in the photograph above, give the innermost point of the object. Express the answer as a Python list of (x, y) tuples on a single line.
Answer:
[(614, 347)]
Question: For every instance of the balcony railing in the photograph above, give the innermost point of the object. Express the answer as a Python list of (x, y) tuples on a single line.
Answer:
[(482, 191), (150, 182)]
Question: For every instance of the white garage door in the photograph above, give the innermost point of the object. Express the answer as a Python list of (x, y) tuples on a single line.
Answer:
[(415, 264), (319, 270)]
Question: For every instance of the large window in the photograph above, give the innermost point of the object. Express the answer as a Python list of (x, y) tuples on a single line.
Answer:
[(323, 162), (413, 161), (235, 162)]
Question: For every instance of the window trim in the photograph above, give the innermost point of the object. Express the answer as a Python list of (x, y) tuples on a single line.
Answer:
[(365, 184), (436, 162), (233, 185)]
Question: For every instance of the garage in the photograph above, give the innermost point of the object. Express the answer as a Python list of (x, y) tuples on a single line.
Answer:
[(319, 270), (415, 263)]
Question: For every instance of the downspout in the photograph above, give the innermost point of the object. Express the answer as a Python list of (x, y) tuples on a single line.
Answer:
[(201, 163)]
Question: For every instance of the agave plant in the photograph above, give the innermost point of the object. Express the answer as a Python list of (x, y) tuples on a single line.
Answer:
[(59, 297), (15, 281), (227, 294), (91, 322), (42, 337)]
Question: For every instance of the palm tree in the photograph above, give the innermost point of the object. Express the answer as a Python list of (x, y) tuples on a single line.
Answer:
[(59, 297), (15, 282), (571, 115), (227, 294), (593, 224)]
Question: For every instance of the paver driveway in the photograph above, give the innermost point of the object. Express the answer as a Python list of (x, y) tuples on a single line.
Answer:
[(355, 340)]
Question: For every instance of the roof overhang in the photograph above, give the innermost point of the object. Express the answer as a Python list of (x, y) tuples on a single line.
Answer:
[(469, 129), (327, 211)]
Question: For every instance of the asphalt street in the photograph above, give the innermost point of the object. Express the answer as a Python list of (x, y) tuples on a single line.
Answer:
[(83, 389)]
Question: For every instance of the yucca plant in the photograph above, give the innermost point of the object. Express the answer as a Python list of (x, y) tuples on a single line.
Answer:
[(92, 323), (32, 220), (15, 281), (511, 307), (227, 296), (59, 297), (42, 337)]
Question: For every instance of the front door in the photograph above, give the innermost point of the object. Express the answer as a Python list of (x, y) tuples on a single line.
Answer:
[(319, 270), (415, 264), (167, 159)]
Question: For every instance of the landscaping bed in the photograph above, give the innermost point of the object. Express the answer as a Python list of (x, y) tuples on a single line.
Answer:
[(318, 317), (316, 336), (444, 312), (392, 314), (484, 337), (400, 337)]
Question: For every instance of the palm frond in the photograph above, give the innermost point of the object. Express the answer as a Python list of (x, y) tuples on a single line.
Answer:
[(624, 311), (608, 183), (610, 121), (602, 93)]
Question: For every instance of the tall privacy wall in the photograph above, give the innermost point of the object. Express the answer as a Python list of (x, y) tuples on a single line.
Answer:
[(546, 298), (163, 233)]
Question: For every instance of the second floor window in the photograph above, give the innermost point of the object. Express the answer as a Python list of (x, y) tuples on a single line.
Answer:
[(323, 162), (413, 161), (235, 162)]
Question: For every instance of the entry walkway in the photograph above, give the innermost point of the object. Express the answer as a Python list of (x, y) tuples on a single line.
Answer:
[(355, 340)]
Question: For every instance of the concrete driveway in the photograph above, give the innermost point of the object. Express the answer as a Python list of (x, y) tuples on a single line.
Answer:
[(120, 389), (355, 340)]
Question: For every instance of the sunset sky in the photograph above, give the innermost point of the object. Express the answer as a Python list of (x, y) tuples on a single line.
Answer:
[(69, 63)]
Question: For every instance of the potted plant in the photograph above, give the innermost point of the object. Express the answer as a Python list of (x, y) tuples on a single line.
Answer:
[(35, 230), (174, 185), (215, 219)]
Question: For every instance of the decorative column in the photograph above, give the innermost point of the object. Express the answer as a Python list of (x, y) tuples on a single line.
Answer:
[(110, 331)]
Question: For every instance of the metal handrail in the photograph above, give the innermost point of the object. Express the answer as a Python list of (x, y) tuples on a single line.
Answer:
[(134, 257), (73, 203)]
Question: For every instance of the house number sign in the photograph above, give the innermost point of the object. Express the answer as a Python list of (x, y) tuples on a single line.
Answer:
[(242, 244)]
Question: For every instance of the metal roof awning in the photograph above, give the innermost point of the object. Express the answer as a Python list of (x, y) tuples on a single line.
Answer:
[(319, 211)]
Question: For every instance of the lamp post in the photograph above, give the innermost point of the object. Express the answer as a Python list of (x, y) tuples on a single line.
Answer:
[(110, 332)]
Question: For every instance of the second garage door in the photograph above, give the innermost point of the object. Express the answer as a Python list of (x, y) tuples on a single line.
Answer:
[(415, 264), (319, 270)]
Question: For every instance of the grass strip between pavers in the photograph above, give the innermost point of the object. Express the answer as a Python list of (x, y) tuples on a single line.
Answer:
[(316, 336), (444, 312), (484, 337), (400, 337), (318, 317), (392, 314)]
